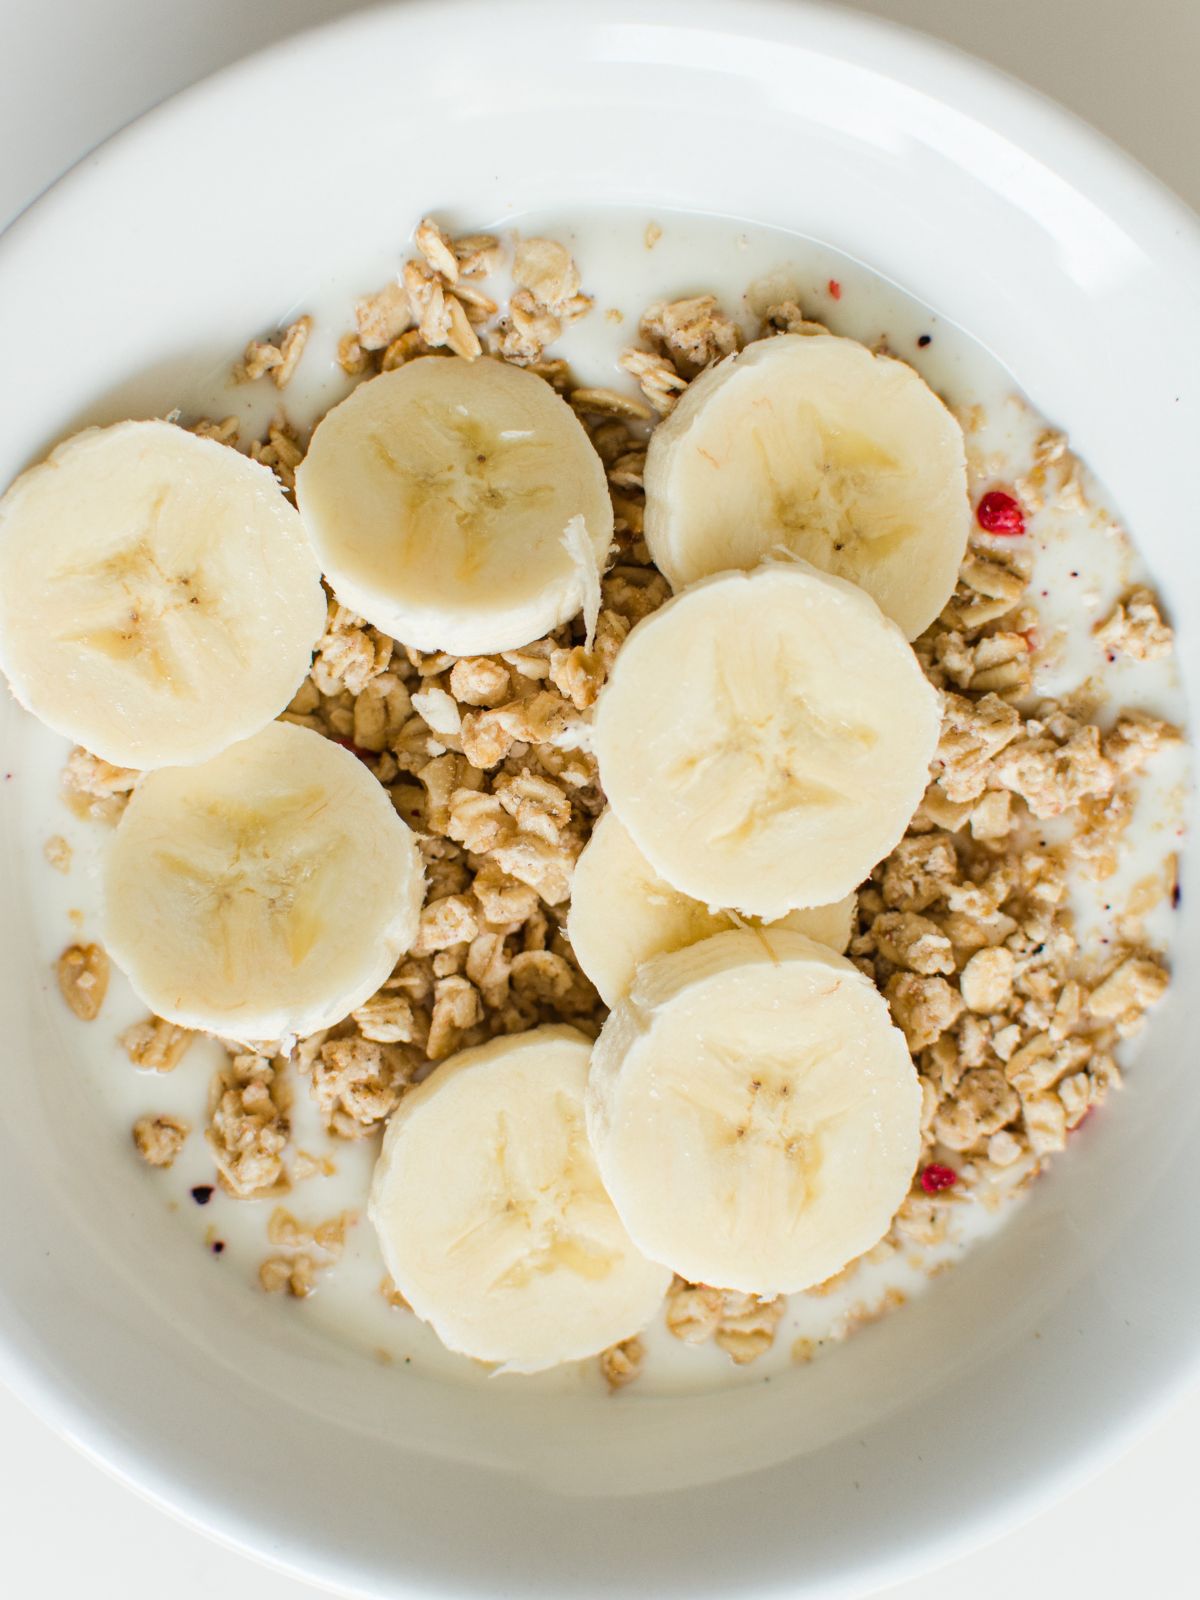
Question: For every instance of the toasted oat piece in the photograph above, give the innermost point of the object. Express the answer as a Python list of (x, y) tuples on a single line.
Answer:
[(280, 359), (83, 979)]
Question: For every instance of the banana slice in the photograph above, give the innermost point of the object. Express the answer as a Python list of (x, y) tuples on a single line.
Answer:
[(755, 1115), (444, 500), (491, 1215), (158, 598), (266, 892), (765, 738), (622, 913), (812, 444)]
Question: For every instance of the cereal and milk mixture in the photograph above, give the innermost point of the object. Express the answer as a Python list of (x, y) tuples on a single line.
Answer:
[(1016, 936)]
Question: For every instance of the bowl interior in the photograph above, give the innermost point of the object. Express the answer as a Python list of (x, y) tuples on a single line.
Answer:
[(218, 215)]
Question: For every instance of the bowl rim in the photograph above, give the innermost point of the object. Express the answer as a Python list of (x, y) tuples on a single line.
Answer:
[(1094, 165)]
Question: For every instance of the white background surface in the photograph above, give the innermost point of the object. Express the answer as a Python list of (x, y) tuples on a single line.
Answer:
[(72, 71)]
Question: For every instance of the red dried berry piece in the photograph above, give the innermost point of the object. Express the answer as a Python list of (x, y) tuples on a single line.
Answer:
[(835, 289), (999, 513), (935, 1178), (354, 749)]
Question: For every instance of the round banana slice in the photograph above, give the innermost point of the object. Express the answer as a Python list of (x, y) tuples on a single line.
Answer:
[(622, 913), (158, 597), (268, 891), (458, 505), (765, 739), (755, 1115), (491, 1215), (810, 443)]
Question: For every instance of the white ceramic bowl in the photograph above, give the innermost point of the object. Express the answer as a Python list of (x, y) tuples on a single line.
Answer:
[(1015, 1375)]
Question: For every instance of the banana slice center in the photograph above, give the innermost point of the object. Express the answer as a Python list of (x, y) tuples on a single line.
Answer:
[(765, 1114), (772, 750), (542, 1209), (841, 498), (254, 877), (486, 477), (137, 603)]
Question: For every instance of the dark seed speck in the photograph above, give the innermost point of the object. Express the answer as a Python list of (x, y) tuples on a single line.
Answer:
[(202, 1193)]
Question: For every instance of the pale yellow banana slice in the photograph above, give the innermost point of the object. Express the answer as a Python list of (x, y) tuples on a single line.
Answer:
[(755, 1115), (811, 444), (765, 738), (491, 1215), (268, 891), (158, 598), (457, 505), (622, 913)]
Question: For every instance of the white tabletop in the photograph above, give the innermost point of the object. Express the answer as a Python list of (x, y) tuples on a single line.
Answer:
[(72, 71)]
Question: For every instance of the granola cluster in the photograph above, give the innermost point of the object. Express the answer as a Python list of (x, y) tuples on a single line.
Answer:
[(95, 790), (303, 1250), (743, 1325), (279, 358), (156, 1045), (248, 1126), (436, 303), (621, 1363), (684, 336)]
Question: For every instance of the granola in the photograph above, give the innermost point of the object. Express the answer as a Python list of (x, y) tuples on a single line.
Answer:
[(357, 1081), (1136, 628), (156, 1045), (305, 1249), (743, 1325), (96, 789), (159, 1139), (621, 1363), (247, 1126), (83, 979), (280, 359)]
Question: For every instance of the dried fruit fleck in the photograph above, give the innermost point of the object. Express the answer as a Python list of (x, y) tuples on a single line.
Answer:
[(935, 1178), (355, 749), (999, 513)]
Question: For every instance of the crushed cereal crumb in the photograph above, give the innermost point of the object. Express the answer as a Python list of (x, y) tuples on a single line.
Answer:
[(57, 852), (159, 1139)]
